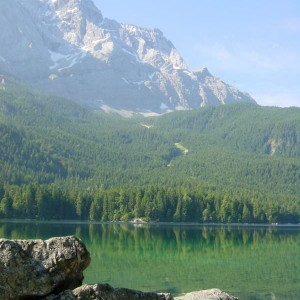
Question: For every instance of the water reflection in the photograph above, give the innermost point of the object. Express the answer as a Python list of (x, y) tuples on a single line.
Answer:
[(212, 236), (250, 262), (216, 238)]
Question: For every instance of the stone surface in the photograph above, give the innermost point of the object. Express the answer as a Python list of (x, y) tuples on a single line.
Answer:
[(30, 268), (212, 294), (106, 292)]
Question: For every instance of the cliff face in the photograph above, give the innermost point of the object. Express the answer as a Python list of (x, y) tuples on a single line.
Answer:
[(67, 48)]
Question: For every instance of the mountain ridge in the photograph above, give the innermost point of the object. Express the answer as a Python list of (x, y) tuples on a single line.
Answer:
[(67, 48)]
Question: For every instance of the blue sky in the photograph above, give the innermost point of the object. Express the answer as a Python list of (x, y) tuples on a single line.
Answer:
[(253, 44)]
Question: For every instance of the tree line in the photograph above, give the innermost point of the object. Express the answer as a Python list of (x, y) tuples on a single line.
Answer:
[(151, 203)]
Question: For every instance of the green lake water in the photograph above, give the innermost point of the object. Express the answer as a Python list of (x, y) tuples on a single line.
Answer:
[(250, 262)]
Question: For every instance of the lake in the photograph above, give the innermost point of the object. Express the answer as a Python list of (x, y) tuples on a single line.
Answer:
[(250, 262)]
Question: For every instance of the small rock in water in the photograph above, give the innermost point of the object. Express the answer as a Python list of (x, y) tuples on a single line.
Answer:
[(107, 292), (212, 294)]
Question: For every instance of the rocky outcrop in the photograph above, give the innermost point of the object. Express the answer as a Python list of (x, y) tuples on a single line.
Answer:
[(32, 268), (213, 294), (53, 270)]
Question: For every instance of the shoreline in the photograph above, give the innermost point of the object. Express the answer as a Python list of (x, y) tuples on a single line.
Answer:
[(151, 223)]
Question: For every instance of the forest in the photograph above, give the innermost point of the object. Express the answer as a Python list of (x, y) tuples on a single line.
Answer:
[(231, 163), (152, 203)]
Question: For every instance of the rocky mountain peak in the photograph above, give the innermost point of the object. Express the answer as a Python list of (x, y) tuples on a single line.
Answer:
[(67, 48), (70, 16), (74, 17)]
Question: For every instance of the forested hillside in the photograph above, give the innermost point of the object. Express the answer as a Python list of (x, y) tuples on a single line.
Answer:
[(210, 158)]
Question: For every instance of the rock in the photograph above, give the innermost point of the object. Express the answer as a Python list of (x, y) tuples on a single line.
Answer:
[(106, 292), (32, 268), (213, 294), (66, 295)]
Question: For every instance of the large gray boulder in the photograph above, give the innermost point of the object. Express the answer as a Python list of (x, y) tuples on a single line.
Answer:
[(32, 268), (212, 294)]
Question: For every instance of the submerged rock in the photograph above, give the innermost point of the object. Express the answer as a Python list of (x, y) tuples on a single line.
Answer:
[(32, 268), (107, 292), (212, 294)]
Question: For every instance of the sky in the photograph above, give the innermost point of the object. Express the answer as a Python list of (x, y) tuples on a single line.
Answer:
[(251, 44)]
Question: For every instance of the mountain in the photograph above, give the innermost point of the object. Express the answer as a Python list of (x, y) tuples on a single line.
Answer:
[(67, 48)]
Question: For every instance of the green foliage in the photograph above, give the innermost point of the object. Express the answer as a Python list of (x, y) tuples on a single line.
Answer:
[(155, 203), (225, 152)]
